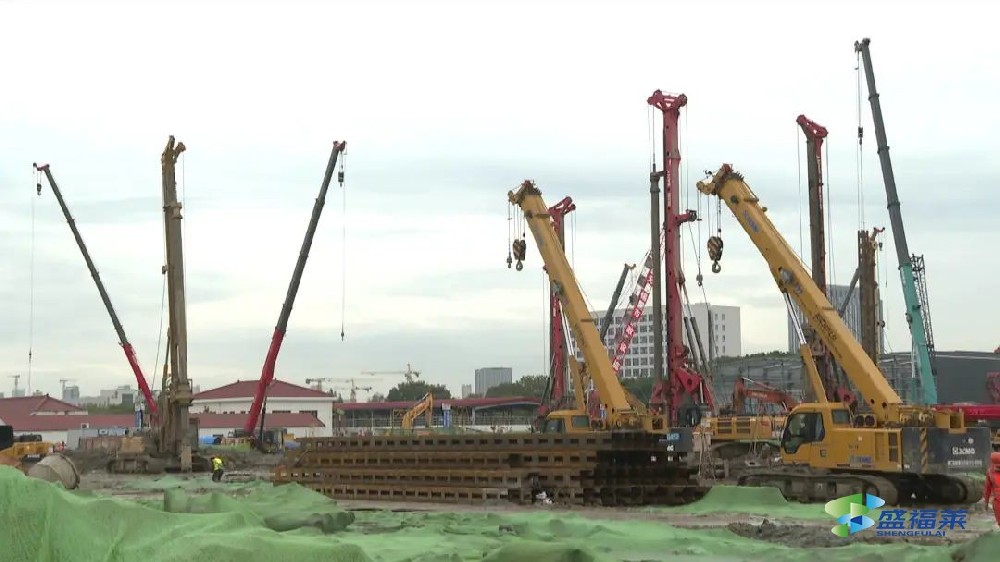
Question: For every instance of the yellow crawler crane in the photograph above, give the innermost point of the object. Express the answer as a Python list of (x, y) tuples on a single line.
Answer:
[(895, 451)]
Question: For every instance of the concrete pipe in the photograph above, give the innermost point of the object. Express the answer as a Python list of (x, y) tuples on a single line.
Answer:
[(56, 468)]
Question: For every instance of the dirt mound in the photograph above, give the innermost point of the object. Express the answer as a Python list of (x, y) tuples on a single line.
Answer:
[(802, 536)]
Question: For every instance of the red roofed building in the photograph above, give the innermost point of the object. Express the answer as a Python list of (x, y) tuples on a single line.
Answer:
[(287, 403), (60, 422), (54, 419)]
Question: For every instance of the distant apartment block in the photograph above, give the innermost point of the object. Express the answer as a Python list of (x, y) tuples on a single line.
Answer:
[(71, 394), (852, 316), (724, 332), (489, 377), (466, 390)]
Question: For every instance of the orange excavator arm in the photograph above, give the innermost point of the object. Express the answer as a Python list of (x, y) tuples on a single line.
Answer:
[(425, 406)]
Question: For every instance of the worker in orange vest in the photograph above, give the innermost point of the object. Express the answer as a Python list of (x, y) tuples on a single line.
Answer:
[(992, 491)]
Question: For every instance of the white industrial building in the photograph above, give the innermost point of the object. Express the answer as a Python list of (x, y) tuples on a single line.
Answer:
[(489, 377), (724, 332), (282, 398), (852, 316)]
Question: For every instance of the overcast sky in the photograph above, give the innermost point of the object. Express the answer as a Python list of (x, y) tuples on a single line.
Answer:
[(445, 108)]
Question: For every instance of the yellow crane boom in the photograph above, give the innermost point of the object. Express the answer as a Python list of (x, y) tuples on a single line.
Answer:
[(898, 451), (793, 279), (596, 361)]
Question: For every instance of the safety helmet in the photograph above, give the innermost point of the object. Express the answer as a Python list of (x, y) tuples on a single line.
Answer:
[(995, 460)]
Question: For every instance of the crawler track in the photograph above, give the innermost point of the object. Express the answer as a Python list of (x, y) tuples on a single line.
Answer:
[(895, 489), (609, 469)]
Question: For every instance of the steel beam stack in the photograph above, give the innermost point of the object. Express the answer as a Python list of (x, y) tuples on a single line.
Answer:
[(609, 469)]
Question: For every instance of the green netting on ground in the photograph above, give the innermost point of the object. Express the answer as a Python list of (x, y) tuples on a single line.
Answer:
[(40, 522), (740, 499)]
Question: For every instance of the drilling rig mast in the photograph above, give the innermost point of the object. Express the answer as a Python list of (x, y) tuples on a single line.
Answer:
[(815, 135), (176, 427), (681, 379)]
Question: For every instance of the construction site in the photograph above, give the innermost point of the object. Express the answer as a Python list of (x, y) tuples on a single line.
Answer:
[(603, 473)]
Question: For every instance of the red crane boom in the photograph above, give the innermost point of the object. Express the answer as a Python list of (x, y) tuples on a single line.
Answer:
[(267, 373), (123, 341)]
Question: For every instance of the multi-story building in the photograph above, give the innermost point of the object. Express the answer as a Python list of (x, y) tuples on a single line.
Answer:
[(71, 394), (488, 377), (466, 390), (852, 316), (724, 331)]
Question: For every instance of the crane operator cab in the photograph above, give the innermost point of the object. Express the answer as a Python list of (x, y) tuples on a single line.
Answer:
[(807, 427), (567, 421)]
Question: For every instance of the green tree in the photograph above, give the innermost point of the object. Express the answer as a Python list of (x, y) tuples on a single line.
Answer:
[(413, 391), (530, 386), (640, 387), (377, 397)]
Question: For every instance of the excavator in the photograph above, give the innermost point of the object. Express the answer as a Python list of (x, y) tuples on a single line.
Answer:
[(617, 409), (424, 406), (896, 451), (737, 431), (36, 458)]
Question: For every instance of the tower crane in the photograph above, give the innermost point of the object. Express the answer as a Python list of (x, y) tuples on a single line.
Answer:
[(319, 382), (409, 374), (130, 356), (895, 451), (911, 267), (352, 385), (17, 379), (267, 372)]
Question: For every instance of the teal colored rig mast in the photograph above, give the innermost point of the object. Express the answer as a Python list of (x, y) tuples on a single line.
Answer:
[(917, 314)]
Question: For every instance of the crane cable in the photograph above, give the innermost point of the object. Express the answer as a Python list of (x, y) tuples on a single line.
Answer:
[(31, 280), (572, 238), (343, 248), (860, 156), (832, 269), (798, 162)]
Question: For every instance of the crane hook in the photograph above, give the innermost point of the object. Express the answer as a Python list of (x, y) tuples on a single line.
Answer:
[(715, 252), (520, 249)]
